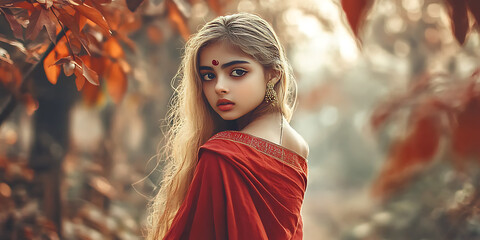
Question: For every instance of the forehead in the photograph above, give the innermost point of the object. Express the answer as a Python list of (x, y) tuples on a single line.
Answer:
[(222, 52)]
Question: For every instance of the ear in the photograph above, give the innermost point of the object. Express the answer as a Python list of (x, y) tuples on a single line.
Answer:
[(273, 75)]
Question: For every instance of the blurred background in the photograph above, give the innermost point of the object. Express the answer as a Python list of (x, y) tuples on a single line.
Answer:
[(388, 100)]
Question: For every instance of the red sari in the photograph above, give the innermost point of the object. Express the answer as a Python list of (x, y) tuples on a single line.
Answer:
[(244, 187)]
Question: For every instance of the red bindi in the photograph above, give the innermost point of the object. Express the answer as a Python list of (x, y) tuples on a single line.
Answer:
[(214, 62)]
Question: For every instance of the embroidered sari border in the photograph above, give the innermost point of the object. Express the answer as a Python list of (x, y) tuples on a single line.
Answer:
[(276, 151)]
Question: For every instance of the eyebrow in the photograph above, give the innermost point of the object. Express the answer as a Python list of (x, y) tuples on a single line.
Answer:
[(225, 65)]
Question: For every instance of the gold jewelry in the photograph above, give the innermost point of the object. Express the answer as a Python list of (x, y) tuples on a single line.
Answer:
[(270, 94), (281, 127)]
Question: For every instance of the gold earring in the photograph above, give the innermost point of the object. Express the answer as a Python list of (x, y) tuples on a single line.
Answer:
[(270, 94)]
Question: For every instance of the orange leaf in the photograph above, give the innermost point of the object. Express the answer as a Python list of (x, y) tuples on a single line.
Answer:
[(113, 48), (176, 16), (355, 11), (52, 71), (459, 19), (62, 48), (80, 80), (97, 64), (91, 94), (94, 15), (116, 82), (81, 20)]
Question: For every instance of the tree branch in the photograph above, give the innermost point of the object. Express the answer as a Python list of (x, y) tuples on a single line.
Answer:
[(12, 101)]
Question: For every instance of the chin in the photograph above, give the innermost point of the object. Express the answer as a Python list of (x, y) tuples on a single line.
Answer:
[(227, 116)]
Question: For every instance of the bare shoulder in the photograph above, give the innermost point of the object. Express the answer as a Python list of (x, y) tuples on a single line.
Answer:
[(263, 128), (294, 141)]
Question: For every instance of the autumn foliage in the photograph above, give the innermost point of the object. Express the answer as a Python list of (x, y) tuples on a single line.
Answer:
[(86, 37), (438, 111), (356, 11)]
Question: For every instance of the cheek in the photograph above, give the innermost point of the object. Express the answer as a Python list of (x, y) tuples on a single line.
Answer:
[(207, 91), (253, 92)]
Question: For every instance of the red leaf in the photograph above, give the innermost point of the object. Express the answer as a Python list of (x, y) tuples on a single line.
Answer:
[(356, 11), (80, 20), (96, 2), (89, 74), (116, 82), (97, 64), (23, 4), (52, 26), (39, 19), (80, 69), (14, 25), (133, 4), (34, 25), (459, 19), (94, 15), (466, 133), (64, 60), (69, 21), (409, 155), (74, 23)]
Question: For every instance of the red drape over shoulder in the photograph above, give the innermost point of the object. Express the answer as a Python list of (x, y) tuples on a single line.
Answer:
[(244, 187)]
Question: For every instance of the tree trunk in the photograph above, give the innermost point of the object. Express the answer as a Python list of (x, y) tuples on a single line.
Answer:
[(51, 141)]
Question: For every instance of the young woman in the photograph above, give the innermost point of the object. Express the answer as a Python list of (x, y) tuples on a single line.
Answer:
[(235, 168)]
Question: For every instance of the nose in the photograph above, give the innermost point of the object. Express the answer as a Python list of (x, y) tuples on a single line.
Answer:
[(221, 86)]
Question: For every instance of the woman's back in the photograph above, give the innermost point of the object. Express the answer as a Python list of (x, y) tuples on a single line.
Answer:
[(244, 187)]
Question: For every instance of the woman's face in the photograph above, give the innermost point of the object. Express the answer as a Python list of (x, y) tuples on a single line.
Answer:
[(233, 82)]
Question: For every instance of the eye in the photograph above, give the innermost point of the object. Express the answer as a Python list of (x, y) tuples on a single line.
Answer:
[(208, 76), (238, 72)]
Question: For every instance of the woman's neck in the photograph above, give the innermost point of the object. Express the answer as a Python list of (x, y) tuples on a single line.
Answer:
[(268, 124)]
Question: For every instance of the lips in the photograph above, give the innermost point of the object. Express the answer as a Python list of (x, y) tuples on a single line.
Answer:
[(224, 104)]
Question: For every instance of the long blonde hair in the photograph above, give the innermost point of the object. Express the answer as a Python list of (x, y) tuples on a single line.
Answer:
[(192, 121)]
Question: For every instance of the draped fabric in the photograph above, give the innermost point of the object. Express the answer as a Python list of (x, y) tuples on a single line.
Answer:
[(244, 187)]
